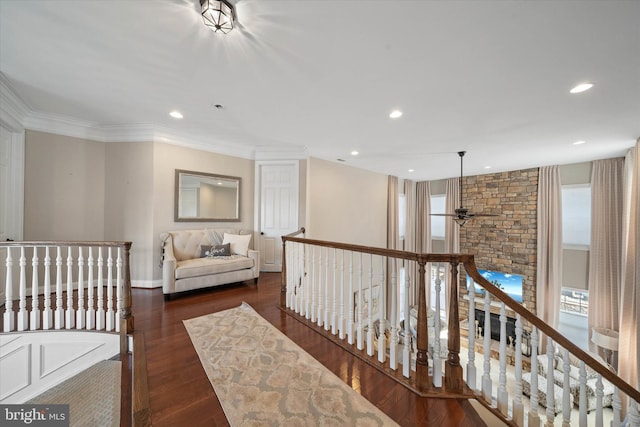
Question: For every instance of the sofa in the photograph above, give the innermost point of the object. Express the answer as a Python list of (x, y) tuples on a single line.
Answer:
[(197, 259), (574, 383)]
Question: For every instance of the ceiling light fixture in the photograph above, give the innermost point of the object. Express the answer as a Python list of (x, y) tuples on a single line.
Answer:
[(411, 170), (176, 114), (579, 142), (581, 87), (219, 15), (395, 114), (354, 153)]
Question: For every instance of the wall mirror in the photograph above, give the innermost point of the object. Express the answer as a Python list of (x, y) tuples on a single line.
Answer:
[(206, 197)]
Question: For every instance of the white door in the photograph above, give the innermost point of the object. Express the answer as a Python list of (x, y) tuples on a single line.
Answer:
[(278, 201), (11, 194)]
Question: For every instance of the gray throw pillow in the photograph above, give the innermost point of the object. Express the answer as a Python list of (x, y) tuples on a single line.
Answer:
[(215, 250)]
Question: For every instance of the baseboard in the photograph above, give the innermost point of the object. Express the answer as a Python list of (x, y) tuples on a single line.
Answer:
[(146, 284)]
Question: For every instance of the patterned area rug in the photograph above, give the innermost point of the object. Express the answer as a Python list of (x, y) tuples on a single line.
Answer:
[(93, 395), (261, 377)]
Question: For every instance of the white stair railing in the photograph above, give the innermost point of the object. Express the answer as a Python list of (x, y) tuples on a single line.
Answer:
[(360, 289), (66, 307)]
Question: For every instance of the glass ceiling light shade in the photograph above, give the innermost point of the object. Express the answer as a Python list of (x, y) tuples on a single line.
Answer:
[(219, 15)]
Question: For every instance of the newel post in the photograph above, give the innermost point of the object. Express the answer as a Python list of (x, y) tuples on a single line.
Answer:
[(422, 358), (283, 278), (452, 369), (126, 318)]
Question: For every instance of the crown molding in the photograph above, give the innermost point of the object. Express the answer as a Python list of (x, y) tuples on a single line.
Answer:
[(13, 109)]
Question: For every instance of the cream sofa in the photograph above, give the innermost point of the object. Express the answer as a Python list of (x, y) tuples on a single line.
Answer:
[(184, 268)]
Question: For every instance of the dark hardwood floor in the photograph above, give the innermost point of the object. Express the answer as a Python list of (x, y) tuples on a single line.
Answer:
[(181, 395)]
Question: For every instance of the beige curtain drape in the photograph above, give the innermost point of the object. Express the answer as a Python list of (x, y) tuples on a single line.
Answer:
[(393, 235), (549, 257), (629, 344), (423, 231), (606, 245), (410, 237)]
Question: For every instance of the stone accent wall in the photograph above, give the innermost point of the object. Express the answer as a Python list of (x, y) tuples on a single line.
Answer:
[(507, 242)]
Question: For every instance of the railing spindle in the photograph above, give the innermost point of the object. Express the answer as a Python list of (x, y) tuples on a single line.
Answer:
[(47, 314), (534, 418), (110, 313), (350, 320), (59, 313), (23, 316), (91, 312), (100, 316), (518, 407), (341, 319), (503, 396), (70, 311), (393, 344), (486, 376), (566, 395), (360, 327), (370, 309), (34, 322), (471, 338), (437, 364), (406, 351), (81, 313), (326, 292), (382, 318), (119, 306), (334, 309), (9, 319)]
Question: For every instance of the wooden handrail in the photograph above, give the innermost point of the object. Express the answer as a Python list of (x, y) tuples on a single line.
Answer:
[(557, 337)]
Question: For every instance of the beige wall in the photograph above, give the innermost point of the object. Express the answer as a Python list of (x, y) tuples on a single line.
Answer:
[(166, 159), (129, 203), (64, 188), (346, 204)]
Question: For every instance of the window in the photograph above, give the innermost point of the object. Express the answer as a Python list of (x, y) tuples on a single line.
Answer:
[(437, 222), (402, 215), (576, 216)]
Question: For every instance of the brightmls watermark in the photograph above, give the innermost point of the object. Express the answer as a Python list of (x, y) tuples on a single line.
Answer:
[(34, 415)]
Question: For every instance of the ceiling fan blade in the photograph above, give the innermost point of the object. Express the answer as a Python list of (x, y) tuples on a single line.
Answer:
[(441, 214)]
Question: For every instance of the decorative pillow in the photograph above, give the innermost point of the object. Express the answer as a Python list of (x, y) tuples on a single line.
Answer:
[(215, 250), (239, 243)]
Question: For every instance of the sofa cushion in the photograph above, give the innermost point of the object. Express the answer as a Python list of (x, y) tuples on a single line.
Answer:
[(215, 250), (239, 243), (203, 266)]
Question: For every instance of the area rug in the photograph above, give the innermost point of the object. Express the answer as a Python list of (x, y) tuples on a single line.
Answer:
[(93, 395), (263, 378)]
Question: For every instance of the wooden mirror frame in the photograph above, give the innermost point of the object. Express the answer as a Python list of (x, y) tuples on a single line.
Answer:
[(231, 209)]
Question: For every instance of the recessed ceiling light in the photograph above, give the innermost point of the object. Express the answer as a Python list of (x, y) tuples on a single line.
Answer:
[(487, 167), (581, 87), (176, 114), (395, 114), (579, 142), (411, 170), (355, 153)]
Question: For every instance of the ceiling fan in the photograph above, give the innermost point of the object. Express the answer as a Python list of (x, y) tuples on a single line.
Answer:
[(461, 215)]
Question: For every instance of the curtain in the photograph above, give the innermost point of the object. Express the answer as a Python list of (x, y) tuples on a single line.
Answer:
[(606, 245), (549, 256), (410, 237), (393, 239), (451, 229), (629, 344), (423, 231)]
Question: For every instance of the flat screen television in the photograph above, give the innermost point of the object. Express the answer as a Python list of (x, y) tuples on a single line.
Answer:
[(511, 284)]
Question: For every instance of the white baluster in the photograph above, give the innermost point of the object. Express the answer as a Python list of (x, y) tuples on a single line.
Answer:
[(566, 390), (326, 292), (288, 282), (34, 322), (583, 395), (70, 316), (382, 318), (471, 337), (110, 313), (309, 290), (406, 352), (534, 418), (486, 376), (634, 414), (311, 314), (551, 401), (334, 311), (100, 316), (9, 320), (350, 320), (320, 289), (47, 314), (341, 320), (503, 396), (393, 344), (360, 327), (599, 396), (23, 314), (518, 407), (617, 407), (91, 312), (437, 365), (370, 309), (119, 304), (81, 313), (59, 313)]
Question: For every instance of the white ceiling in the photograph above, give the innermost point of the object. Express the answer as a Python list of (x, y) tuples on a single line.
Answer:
[(320, 77)]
